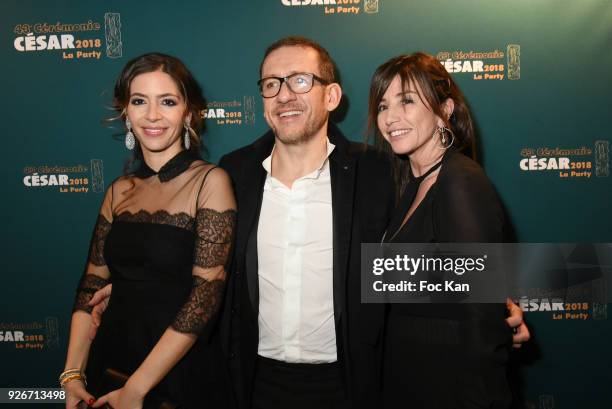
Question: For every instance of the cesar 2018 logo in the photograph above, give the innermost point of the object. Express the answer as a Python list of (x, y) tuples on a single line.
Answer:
[(77, 41), (68, 179), (568, 162), (484, 65), (31, 335), (233, 112)]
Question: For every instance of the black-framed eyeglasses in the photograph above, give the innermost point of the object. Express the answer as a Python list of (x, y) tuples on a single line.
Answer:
[(298, 83)]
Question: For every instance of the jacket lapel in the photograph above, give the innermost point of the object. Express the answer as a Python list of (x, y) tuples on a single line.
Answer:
[(251, 188), (343, 171)]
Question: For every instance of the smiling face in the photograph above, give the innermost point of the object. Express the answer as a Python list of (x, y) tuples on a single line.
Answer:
[(297, 118), (157, 111), (405, 121)]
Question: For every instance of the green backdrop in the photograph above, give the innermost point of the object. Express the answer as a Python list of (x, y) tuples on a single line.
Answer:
[(536, 74)]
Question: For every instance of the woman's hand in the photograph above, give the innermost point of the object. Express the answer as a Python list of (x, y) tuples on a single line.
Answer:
[(124, 398), (76, 393)]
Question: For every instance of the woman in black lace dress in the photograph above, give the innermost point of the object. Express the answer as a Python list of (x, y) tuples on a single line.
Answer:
[(442, 356), (162, 238)]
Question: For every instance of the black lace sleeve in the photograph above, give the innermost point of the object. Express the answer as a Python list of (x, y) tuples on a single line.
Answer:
[(96, 253), (214, 236), (202, 305), (96, 273), (89, 284)]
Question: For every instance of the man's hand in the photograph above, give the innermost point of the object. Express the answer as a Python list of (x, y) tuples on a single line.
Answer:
[(99, 302), (515, 321)]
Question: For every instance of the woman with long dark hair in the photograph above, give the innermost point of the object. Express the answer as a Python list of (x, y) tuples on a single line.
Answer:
[(437, 355), (162, 238)]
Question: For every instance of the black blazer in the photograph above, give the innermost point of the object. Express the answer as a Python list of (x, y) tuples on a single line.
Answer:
[(362, 201)]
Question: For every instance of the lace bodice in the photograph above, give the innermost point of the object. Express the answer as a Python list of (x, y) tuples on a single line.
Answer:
[(187, 194)]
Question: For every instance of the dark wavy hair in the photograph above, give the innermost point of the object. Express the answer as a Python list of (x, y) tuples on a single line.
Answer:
[(436, 87), (188, 87)]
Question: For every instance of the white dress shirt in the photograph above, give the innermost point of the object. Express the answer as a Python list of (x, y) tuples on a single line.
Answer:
[(295, 256)]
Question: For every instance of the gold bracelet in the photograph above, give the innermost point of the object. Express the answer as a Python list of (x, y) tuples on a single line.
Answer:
[(74, 377), (69, 372), (70, 378)]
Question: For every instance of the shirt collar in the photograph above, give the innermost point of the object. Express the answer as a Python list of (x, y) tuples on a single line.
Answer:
[(171, 169), (267, 162)]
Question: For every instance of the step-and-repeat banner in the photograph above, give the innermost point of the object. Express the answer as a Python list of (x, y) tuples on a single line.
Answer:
[(536, 74)]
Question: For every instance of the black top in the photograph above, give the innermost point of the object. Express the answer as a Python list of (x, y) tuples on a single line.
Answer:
[(162, 238), (461, 206), (448, 355)]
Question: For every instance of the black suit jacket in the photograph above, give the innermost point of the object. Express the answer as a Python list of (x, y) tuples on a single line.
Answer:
[(362, 201)]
